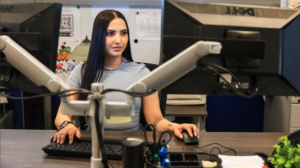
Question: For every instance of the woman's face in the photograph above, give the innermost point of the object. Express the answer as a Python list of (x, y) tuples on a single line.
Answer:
[(116, 38)]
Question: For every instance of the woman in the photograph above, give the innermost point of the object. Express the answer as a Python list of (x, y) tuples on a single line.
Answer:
[(110, 62)]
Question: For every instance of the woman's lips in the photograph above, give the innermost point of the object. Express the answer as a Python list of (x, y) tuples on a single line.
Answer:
[(117, 48)]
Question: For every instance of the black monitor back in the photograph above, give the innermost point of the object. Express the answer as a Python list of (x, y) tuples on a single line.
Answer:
[(34, 26), (185, 23)]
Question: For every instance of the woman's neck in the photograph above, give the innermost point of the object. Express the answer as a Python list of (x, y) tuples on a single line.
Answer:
[(112, 62)]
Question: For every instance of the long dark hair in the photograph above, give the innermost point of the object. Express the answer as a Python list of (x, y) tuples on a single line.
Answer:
[(92, 69)]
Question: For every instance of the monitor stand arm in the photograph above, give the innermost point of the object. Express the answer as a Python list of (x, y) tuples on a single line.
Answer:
[(175, 68), (43, 77)]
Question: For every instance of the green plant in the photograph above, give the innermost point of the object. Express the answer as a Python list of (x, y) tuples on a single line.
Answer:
[(287, 156)]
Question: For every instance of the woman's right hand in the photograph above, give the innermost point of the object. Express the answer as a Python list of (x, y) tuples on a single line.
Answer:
[(69, 130)]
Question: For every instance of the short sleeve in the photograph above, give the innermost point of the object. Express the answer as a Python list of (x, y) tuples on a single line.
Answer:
[(74, 80)]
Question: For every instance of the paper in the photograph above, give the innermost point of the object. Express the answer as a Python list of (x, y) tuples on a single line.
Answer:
[(241, 161), (64, 69), (69, 38), (148, 25), (293, 4), (70, 25)]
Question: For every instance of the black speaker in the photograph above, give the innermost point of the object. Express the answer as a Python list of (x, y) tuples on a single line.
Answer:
[(133, 153)]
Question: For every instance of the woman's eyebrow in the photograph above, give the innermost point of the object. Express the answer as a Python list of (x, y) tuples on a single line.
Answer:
[(115, 30)]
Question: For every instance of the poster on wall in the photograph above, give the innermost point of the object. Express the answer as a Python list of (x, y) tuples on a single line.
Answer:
[(148, 25), (295, 4), (69, 39), (70, 25)]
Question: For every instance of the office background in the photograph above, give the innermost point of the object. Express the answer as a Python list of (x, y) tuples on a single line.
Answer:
[(225, 113)]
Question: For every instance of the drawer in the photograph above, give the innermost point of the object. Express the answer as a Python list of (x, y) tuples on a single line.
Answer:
[(295, 99), (294, 129), (295, 115)]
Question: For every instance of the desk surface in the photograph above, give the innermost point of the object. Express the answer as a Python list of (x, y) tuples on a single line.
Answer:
[(23, 148), (186, 111)]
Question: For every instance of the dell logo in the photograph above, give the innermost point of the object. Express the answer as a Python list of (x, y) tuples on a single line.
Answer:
[(6, 8), (241, 11)]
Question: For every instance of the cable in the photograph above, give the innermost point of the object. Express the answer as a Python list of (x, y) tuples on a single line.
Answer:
[(199, 147), (48, 94), (100, 138), (110, 164), (226, 151), (129, 93), (109, 147), (99, 132), (79, 91), (215, 148), (234, 89), (224, 69)]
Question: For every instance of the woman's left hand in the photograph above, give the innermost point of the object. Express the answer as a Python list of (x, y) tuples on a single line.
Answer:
[(189, 127)]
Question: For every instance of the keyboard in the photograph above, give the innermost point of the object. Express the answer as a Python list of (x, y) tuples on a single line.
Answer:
[(113, 149)]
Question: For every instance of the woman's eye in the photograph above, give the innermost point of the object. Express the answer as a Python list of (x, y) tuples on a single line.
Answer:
[(110, 33), (124, 33)]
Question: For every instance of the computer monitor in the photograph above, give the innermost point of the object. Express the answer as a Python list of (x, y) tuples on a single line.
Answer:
[(276, 73), (34, 26)]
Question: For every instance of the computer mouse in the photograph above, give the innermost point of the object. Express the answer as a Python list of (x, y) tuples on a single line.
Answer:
[(189, 140)]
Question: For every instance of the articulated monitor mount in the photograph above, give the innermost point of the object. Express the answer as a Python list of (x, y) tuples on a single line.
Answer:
[(161, 77)]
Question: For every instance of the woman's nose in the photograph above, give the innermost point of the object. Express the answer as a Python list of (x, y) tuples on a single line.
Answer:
[(118, 38)]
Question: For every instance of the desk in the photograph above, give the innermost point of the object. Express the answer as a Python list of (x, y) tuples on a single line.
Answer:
[(189, 111), (23, 148)]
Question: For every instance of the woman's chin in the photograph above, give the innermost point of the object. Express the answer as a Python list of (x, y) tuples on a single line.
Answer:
[(116, 55)]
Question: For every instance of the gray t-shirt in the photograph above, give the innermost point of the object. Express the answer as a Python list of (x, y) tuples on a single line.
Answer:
[(120, 78)]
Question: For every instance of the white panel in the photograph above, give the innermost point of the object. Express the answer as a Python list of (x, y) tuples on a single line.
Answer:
[(277, 114), (283, 3), (295, 115)]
